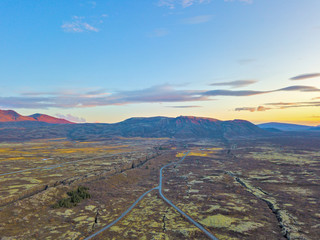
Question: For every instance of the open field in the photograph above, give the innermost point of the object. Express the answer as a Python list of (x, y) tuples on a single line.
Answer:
[(249, 189)]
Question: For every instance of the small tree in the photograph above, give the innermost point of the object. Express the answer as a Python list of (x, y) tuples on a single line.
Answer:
[(75, 197)]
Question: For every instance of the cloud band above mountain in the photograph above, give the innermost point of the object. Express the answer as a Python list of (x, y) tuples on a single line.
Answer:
[(305, 76), (235, 84), (156, 94)]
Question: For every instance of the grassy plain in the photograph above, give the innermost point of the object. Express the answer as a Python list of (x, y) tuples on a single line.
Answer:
[(249, 189)]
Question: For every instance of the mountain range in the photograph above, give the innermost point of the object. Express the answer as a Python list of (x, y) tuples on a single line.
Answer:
[(179, 127), (12, 116), (16, 127), (44, 126), (286, 127)]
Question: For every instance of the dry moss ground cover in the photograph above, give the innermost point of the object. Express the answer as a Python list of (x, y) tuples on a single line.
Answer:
[(218, 202), (61, 162), (153, 219), (248, 189), (34, 217), (285, 172)]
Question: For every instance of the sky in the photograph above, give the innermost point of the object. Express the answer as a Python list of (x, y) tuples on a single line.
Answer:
[(108, 60)]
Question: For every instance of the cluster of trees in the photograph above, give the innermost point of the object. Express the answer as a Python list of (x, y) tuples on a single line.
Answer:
[(75, 197), (164, 148)]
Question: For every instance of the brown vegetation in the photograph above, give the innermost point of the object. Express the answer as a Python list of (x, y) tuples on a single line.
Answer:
[(250, 189)]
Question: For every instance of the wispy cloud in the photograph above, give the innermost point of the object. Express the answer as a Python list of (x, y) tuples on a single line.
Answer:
[(72, 118), (78, 25), (305, 76), (262, 109), (284, 105), (182, 3), (279, 106), (250, 109), (187, 106), (157, 94), (300, 88), (235, 84), (197, 19), (160, 93), (253, 109), (234, 93), (159, 32), (188, 3), (243, 93), (70, 99)]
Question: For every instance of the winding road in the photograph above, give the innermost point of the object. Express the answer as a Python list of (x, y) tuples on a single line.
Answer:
[(159, 188), (210, 235), (121, 216)]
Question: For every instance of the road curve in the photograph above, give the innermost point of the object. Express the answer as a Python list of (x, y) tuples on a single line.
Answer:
[(159, 187), (121, 216), (210, 235)]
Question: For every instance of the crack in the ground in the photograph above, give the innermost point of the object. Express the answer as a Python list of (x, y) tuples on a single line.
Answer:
[(164, 218), (96, 220), (284, 219), (88, 177)]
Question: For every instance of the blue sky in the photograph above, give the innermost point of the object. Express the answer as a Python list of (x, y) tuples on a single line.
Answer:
[(109, 60)]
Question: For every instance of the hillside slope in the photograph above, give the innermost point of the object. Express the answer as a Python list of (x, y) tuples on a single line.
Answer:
[(155, 127), (284, 126), (180, 127), (12, 116)]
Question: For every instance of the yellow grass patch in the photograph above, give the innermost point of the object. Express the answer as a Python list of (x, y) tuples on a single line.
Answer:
[(215, 149), (198, 154)]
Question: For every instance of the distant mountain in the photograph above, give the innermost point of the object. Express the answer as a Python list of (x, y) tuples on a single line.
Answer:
[(316, 128), (180, 127), (155, 127), (284, 126), (12, 116), (49, 119)]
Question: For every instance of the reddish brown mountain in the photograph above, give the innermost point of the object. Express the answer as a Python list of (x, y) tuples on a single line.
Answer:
[(48, 119), (158, 127), (12, 116), (182, 127), (185, 127)]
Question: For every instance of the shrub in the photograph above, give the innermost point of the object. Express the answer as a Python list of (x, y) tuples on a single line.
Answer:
[(75, 197)]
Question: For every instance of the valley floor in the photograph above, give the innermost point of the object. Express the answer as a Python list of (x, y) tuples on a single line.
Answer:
[(237, 189)]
